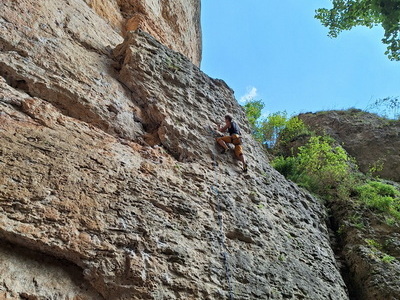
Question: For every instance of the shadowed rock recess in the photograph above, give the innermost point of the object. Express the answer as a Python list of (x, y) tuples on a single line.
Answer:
[(112, 187)]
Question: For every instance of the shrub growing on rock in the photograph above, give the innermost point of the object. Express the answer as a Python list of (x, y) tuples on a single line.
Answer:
[(320, 165), (380, 196)]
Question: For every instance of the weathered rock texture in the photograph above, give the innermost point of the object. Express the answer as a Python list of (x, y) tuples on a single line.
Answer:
[(29, 273), (365, 239), (110, 179), (370, 139), (176, 23)]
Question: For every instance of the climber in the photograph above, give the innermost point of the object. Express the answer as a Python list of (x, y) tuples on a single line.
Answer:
[(234, 138)]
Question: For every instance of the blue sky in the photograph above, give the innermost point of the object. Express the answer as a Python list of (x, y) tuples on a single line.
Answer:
[(275, 51)]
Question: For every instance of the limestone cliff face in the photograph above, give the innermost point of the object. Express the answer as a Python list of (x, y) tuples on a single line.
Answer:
[(370, 139), (112, 187), (175, 23)]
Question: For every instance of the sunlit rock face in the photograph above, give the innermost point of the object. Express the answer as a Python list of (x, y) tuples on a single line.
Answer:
[(112, 187), (175, 23)]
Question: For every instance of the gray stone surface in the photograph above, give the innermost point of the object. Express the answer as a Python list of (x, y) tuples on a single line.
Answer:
[(116, 174)]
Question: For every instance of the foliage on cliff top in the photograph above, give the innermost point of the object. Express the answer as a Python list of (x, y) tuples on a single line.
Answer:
[(321, 165), (275, 126)]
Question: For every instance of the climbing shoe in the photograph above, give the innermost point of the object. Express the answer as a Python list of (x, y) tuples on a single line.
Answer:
[(224, 151), (245, 168)]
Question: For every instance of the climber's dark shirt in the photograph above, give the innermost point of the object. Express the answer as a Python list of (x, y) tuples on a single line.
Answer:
[(234, 129)]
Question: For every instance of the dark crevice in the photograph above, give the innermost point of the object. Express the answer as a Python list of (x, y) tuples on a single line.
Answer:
[(129, 8), (338, 244), (7, 46)]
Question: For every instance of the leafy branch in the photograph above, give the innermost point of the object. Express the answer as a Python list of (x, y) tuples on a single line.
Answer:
[(346, 14)]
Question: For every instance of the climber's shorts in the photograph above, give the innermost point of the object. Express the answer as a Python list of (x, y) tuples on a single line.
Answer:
[(234, 139)]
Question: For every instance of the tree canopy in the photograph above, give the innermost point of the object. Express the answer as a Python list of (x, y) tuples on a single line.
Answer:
[(347, 14)]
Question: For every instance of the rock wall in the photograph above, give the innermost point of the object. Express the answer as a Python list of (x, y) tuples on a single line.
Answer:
[(370, 139), (25, 274), (366, 239), (176, 23), (111, 179)]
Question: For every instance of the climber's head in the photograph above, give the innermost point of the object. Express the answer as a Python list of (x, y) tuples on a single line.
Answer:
[(228, 119)]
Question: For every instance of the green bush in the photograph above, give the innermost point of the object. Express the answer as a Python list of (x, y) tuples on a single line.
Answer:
[(285, 166), (388, 258), (253, 110), (272, 126), (293, 128), (275, 126), (325, 164), (380, 196), (319, 167)]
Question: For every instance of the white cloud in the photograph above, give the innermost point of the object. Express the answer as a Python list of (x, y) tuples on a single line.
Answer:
[(251, 94)]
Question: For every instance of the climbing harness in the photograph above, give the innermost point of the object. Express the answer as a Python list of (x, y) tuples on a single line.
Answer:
[(236, 139)]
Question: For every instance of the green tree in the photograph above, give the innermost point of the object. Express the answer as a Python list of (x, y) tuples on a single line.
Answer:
[(276, 126), (320, 158), (346, 14), (319, 166), (293, 128), (253, 110), (272, 126)]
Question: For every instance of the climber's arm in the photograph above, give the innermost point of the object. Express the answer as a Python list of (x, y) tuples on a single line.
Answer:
[(223, 129)]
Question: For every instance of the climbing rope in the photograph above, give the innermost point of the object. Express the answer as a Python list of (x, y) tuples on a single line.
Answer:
[(221, 239)]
